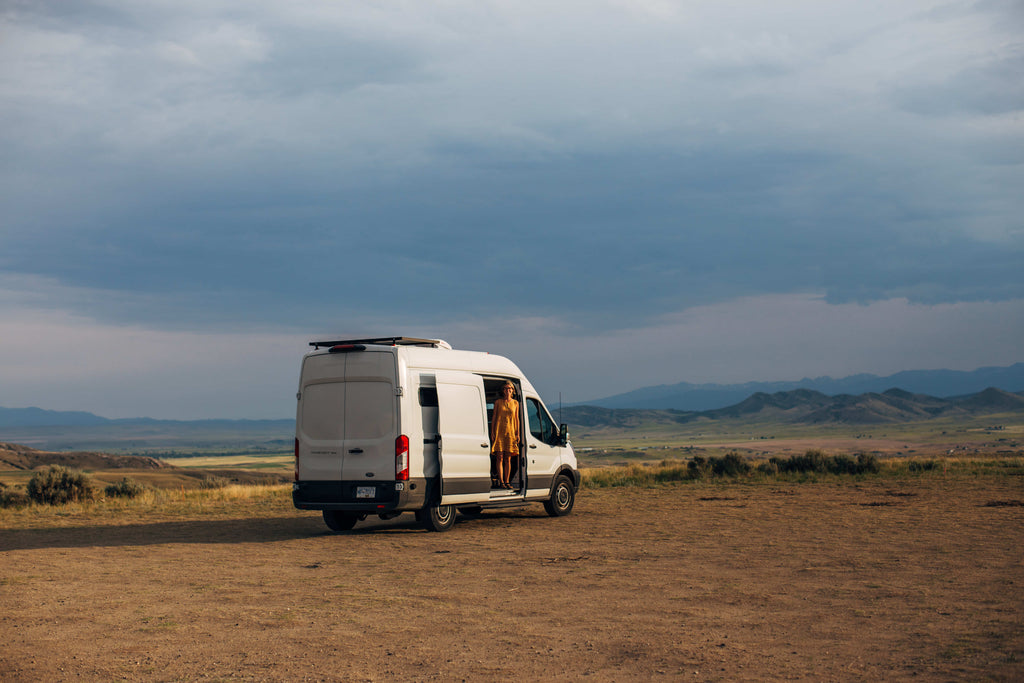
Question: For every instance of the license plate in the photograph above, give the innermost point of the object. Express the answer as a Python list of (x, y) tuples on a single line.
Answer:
[(366, 492)]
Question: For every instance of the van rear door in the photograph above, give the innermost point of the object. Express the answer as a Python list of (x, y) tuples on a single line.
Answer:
[(347, 417), (370, 417), (464, 453)]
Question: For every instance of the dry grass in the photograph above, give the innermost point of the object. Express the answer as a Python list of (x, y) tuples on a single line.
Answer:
[(273, 462), (152, 504), (224, 499)]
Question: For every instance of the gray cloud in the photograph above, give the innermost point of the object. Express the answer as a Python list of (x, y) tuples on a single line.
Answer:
[(989, 89), (744, 191), (226, 167)]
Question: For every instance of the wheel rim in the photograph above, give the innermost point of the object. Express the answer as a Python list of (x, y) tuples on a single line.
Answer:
[(562, 497), (444, 513)]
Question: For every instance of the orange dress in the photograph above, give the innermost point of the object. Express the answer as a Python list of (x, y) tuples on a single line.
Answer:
[(505, 430)]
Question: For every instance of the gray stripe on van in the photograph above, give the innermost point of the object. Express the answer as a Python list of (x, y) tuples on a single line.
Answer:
[(464, 486)]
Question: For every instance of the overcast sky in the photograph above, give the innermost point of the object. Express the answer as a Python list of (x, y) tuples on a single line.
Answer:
[(614, 194)]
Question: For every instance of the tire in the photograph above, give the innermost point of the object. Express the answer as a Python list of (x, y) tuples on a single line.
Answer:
[(436, 517), (563, 497), (472, 511), (338, 520)]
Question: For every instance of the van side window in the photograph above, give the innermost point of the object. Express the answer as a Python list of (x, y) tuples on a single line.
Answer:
[(428, 397), (541, 425)]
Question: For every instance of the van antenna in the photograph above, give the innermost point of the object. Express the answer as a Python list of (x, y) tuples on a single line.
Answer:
[(559, 407)]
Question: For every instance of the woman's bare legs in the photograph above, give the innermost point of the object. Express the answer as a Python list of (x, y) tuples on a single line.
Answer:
[(503, 461), (499, 464)]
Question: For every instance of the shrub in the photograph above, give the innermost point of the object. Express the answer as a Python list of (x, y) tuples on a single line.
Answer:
[(211, 482), (126, 488), (58, 485), (12, 497), (843, 464), (811, 461), (699, 467), (729, 465), (868, 463), (816, 461)]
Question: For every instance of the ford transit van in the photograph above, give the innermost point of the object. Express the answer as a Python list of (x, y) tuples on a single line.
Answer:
[(396, 424)]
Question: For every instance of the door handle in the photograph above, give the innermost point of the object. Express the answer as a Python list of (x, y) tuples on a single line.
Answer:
[(355, 450), (533, 445), (484, 445)]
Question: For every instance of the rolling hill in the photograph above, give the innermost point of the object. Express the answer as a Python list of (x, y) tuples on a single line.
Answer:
[(18, 457), (19, 460), (803, 406)]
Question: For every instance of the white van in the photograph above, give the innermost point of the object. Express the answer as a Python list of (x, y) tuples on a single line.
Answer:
[(399, 424)]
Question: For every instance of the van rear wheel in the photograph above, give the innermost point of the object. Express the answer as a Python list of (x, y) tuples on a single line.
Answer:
[(338, 520), (437, 517), (563, 496)]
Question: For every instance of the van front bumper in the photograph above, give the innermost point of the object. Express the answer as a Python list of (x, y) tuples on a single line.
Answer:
[(360, 496)]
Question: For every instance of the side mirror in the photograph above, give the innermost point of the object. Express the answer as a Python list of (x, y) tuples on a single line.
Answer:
[(563, 434)]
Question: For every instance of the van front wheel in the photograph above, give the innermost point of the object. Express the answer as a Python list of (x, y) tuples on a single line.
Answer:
[(437, 517), (563, 496)]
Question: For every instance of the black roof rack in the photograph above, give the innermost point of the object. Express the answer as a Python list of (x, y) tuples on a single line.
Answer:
[(386, 341)]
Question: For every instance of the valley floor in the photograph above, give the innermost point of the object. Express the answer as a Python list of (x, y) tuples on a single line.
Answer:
[(868, 580)]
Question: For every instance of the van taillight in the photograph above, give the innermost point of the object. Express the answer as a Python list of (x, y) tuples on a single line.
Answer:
[(402, 458), (296, 459)]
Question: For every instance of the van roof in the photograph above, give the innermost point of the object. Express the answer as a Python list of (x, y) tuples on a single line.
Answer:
[(436, 354), (386, 341)]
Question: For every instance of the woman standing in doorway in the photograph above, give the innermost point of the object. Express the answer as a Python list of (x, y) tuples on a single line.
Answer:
[(505, 434)]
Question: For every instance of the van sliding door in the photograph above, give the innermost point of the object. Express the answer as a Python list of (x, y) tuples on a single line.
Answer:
[(464, 454)]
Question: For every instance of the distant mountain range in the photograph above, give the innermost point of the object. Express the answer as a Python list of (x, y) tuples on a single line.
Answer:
[(699, 397), (859, 398), (804, 406), (50, 430), (37, 417)]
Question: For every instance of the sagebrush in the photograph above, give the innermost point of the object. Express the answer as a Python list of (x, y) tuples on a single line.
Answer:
[(58, 485), (733, 466), (818, 462), (126, 488), (11, 497)]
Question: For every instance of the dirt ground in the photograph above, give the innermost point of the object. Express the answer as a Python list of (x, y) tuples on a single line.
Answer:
[(827, 582)]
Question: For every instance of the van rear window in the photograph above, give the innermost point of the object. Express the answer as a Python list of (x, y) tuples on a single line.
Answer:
[(428, 397)]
